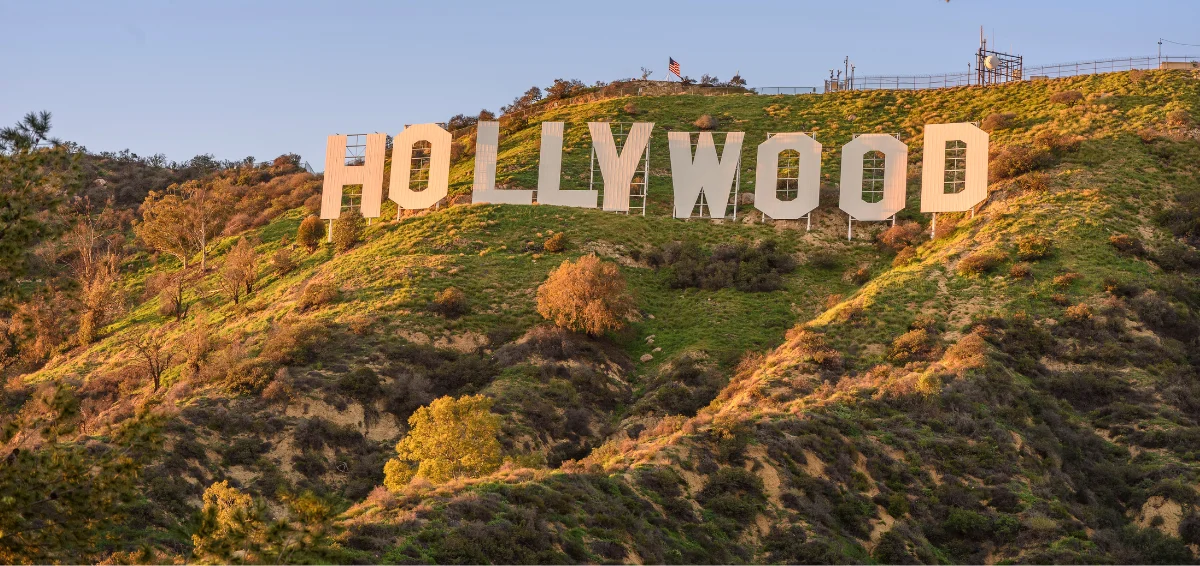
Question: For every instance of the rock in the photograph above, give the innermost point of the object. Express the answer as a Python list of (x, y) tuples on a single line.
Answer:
[(647, 357), (657, 350), (650, 339)]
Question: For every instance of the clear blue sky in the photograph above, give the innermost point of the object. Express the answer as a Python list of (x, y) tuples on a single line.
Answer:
[(237, 79)]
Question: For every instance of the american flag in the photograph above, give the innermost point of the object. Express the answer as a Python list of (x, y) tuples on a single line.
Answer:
[(673, 66)]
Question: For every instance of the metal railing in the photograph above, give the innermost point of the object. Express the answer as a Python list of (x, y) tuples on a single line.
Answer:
[(774, 90), (1103, 66), (1055, 71)]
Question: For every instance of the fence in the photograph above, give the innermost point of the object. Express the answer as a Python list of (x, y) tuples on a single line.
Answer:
[(919, 82), (901, 82), (1103, 66), (773, 90)]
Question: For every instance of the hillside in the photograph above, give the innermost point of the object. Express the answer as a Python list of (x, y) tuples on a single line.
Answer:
[(1023, 387)]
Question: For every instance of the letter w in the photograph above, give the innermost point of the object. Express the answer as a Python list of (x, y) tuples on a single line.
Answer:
[(707, 174)]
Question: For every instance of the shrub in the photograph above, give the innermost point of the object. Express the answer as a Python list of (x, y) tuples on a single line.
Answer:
[(347, 230), (1016, 160), (310, 233), (706, 122), (823, 259), (910, 346), (1055, 142), (904, 257), (1020, 270), (1079, 312), (280, 388), (249, 376), (979, 263), (450, 303), (631, 108), (997, 121), (451, 438), (747, 268), (317, 293), (1179, 119), (1127, 244), (586, 296), (292, 341), (946, 226), (858, 276), (556, 243), (1066, 279), (902, 235), (361, 385), (1068, 97), (1036, 182), (1033, 247), (283, 261)]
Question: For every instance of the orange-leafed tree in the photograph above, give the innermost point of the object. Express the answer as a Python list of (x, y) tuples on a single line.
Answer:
[(587, 295)]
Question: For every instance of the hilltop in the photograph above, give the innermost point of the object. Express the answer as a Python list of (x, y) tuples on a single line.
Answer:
[(1021, 387)]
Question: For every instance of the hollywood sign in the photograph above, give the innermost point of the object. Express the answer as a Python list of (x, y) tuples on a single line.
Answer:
[(956, 188)]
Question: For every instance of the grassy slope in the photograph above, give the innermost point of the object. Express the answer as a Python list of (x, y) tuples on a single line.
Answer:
[(1112, 184)]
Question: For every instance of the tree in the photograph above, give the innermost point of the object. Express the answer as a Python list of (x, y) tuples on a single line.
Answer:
[(563, 88), (646, 73), (100, 296), (25, 136), (153, 354), (164, 226), (59, 501), (737, 80), (240, 270), (310, 233), (171, 287), (181, 220), (524, 101), (586, 296), (95, 268), (347, 230), (209, 212), (236, 527), (34, 182), (450, 438)]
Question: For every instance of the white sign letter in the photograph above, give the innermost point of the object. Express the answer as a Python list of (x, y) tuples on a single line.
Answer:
[(885, 192), (954, 173), (550, 172), (706, 174), (338, 175), (487, 146), (808, 172), (437, 184), (617, 169)]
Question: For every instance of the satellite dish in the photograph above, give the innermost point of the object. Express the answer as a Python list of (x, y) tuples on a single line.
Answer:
[(991, 62)]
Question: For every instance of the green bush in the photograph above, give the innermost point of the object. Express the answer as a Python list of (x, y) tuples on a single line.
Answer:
[(998, 121), (1127, 244), (450, 303), (556, 243), (310, 233), (1068, 97), (1033, 247), (746, 267), (979, 263), (1016, 160), (347, 230), (317, 293), (361, 385)]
